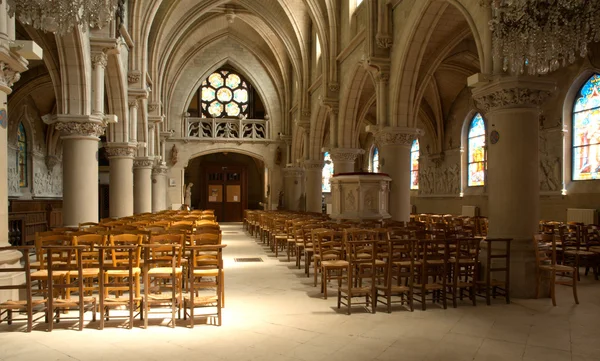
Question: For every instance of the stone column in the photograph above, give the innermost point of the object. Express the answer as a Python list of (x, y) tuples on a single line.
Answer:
[(159, 188), (511, 106), (394, 160), (344, 158), (293, 197), (99, 63), (133, 115), (80, 136), (121, 178), (142, 185), (314, 190)]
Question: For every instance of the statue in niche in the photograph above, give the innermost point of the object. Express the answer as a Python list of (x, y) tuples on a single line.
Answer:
[(174, 154), (188, 195)]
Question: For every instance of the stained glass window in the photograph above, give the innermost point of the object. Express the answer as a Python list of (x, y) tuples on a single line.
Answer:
[(414, 165), (476, 153), (375, 161), (586, 131), (327, 173), (224, 94), (22, 156)]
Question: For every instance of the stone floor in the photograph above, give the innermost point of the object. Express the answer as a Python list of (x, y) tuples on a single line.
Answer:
[(274, 313)]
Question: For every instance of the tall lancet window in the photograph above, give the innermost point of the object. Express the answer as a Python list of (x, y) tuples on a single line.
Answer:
[(375, 160), (22, 155), (476, 152), (586, 131), (327, 173), (414, 165)]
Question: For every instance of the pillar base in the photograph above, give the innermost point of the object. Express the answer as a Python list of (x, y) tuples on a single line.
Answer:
[(10, 259)]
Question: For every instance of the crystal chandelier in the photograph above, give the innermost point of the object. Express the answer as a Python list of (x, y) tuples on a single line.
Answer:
[(542, 35), (61, 16)]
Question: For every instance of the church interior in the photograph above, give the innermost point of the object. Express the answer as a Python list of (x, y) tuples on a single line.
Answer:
[(335, 179)]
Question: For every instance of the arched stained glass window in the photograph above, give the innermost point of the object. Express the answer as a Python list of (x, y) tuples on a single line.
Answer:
[(22, 155), (224, 94), (414, 165), (327, 173), (375, 161), (586, 131), (476, 152)]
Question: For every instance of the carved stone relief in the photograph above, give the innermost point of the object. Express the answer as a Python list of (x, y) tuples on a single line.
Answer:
[(550, 162), (440, 180)]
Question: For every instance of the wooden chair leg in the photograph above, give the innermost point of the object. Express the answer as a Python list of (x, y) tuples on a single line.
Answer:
[(575, 290)]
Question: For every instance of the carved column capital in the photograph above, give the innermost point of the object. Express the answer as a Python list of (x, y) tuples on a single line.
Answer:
[(134, 76), (345, 154), (160, 170), (143, 163), (78, 128), (100, 59), (120, 150), (401, 136), (513, 92), (133, 103)]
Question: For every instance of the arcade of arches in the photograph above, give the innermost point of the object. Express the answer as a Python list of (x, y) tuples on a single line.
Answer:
[(272, 87)]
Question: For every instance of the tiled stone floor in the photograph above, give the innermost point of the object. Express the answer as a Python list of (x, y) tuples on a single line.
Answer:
[(274, 313)]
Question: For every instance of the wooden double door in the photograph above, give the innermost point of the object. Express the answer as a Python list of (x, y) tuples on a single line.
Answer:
[(226, 191)]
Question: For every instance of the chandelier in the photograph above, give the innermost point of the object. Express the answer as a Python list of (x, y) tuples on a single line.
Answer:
[(61, 16), (540, 36)]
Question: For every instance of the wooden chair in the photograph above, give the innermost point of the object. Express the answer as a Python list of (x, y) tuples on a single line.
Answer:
[(433, 255), (547, 268), (28, 304), (89, 258), (66, 285), (358, 252), (41, 275), (163, 273), (207, 239), (464, 266), (206, 274), (399, 273), (497, 260), (120, 272)]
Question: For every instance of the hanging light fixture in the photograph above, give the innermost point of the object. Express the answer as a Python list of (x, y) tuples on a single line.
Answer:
[(61, 16), (540, 36)]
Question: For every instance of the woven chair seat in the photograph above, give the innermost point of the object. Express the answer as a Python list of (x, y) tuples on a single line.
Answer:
[(164, 271)]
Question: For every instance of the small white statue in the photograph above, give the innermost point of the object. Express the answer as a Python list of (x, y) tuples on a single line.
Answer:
[(188, 195)]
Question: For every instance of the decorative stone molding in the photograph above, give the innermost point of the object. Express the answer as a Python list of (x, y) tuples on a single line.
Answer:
[(8, 75), (293, 172), (86, 129), (305, 113), (384, 41), (51, 162), (143, 163), (396, 135), (334, 86), (133, 103), (134, 77), (100, 59), (345, 154), (152, 106), (313, 165), (160, 170), (121, 151), (512, 92)]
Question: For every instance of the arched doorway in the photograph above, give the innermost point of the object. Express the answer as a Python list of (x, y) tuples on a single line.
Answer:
[(226, 182)]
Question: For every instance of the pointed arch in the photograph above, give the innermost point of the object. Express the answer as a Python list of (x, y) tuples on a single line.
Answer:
[(476, 151)]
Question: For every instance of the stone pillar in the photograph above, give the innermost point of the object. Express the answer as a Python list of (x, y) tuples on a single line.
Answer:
[(99, 63), (394, 160), (314, 189), (80, 136), (159, 188), (121, 178), (293, 194), (511, 107), (133, 116), (142, 185), (344, 158)]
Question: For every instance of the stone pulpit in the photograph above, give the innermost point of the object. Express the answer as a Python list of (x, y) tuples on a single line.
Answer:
[(360, 196)]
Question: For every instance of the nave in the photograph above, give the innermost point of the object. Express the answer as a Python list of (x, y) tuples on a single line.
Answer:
[(273, 312)]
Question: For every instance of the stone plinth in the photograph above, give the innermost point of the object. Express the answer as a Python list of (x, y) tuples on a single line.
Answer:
[(360, 196)]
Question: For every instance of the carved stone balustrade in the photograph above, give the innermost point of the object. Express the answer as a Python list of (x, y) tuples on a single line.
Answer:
[(224, 128), (360, 196)]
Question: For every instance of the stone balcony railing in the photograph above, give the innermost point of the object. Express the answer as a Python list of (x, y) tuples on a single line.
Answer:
[(224, 128)]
